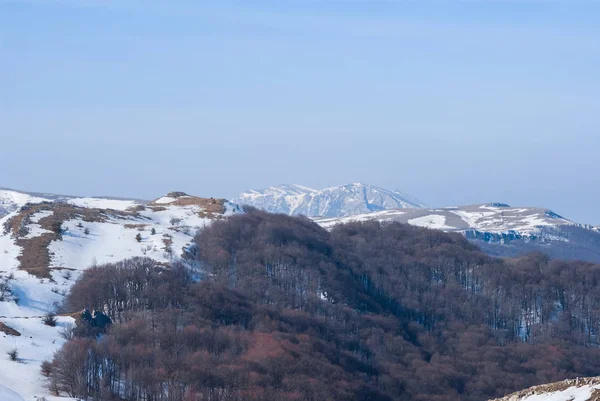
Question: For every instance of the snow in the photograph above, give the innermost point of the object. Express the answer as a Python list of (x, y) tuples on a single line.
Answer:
[(384, 215), (21, 380), (7, 394), (583, 393), (115, 240), (340, 201), (34, 229), (525, 221), (18, 198), (165, 199), (36, 217), (100, 203), (14, 200), (433, 221)]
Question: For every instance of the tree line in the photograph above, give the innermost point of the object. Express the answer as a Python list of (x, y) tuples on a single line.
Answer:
[(368, 311)]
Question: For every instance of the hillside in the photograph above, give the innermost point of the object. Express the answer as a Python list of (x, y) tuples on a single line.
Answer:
[(367, 311), (44, 248), (361, 308), (12, 200), (345, 200)]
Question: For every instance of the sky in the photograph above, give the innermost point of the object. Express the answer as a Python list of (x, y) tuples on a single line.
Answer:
[(453, 102)]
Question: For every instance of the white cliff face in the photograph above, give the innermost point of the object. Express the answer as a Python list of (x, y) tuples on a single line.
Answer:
[(346, 200)]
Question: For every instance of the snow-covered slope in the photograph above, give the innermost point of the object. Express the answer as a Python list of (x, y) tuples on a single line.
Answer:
[(492, 218), (338, 201), (11, 200), (39, 263), (584, 389), (499, 229)]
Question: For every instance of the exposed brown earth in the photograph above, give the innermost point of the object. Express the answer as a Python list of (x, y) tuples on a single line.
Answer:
[(554, 387), (35, 257), (139, 227), (8, 330), (211, 206)]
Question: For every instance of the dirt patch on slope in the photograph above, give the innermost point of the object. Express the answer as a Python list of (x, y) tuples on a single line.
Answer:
[(8, 330), (35, 256)]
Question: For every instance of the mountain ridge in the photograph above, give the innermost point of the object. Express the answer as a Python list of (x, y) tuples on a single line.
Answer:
[(498, 229), (335, 201)]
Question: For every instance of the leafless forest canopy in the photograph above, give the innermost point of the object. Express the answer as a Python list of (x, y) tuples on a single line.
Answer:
[(368, 311)]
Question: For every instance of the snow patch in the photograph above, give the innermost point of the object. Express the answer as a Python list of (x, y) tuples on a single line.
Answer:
[(99, 203), (433, 221), (583, 393)]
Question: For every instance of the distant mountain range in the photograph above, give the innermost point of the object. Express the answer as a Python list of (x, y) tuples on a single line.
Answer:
[(340, 201), (47, 241), (497, 228)]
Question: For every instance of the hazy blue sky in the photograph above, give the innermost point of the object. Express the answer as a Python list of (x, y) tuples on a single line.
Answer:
[(451, 102)]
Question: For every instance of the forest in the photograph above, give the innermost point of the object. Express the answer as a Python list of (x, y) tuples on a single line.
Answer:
[(277, 308)]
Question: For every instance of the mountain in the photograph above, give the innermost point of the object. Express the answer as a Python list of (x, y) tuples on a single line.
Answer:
[(340, 201), (47, 241), (583, 389), (499, 229)]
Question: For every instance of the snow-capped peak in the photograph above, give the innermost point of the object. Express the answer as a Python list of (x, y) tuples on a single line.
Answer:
[(337, 201)]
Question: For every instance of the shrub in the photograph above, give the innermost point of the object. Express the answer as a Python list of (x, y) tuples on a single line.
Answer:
[(67, 332), (46, 368), (49, 319), (13, 355)]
